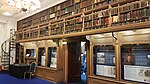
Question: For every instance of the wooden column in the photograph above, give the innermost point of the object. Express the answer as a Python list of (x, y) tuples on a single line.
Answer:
[(117, 60), (46, 56), (88, 59), (66, 62)]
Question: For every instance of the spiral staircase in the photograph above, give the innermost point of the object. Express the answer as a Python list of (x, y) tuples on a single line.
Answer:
[(8, 48)]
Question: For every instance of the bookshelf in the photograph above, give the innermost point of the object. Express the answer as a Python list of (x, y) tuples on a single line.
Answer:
[(74, 16), (57, 28), (19, 54)]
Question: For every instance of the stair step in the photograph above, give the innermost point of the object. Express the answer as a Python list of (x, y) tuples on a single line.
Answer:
[(5, 57), (4, 60), (13, 44), (13, 47), (5, 63)]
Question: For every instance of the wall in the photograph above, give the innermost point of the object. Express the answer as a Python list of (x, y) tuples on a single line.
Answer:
[(5, 25)]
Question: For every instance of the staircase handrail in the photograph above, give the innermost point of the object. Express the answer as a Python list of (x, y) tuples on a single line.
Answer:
[(3, 44)]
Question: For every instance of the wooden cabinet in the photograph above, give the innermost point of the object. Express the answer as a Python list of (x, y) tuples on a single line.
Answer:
[(50, 74), (131, 52)]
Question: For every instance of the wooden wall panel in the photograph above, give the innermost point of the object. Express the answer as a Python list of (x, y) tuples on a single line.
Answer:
[(53, 75)]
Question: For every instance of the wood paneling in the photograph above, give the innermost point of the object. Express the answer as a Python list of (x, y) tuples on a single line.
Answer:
[(54, 75)]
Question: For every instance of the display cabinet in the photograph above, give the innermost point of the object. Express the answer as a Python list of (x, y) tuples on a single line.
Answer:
[(126, 55), (104, 60), (41, 56), (135, 52), (50, 63), (52, 57), (135, 61), (30, 55)]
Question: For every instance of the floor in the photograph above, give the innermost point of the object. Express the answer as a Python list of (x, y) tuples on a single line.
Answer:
[(5, 78), (83, 80)]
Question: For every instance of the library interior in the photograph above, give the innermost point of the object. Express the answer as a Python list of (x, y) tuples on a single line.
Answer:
[(76, 42)]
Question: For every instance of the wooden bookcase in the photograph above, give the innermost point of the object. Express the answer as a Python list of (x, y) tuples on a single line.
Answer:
[(19, 53), (86, 17)]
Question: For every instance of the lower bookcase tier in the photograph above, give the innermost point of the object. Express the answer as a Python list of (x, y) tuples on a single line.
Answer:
[(105, 80), (50, 74)]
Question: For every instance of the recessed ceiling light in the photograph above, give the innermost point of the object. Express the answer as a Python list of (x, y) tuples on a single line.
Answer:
[(7, 14)]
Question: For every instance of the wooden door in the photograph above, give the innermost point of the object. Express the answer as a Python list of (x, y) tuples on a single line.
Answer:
[(74, 61)]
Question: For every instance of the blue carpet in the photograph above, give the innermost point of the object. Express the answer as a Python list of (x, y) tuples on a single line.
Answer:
[(7, 79)]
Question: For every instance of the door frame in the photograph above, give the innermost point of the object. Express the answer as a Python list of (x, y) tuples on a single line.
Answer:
[(87, 49)]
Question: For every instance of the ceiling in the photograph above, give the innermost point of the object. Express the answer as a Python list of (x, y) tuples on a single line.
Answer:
[(4, 7)]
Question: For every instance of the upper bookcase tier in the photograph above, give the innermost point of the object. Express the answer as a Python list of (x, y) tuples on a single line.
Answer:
[(74, 16), (68, 8)]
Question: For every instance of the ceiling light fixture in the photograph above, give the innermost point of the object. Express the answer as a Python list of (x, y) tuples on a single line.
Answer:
[(25, 5), (7, 14)]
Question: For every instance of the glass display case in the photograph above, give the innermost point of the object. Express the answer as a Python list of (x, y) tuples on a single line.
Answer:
[(52, 57), (41, 56), (135, 62), (31, 53), (104, 60)]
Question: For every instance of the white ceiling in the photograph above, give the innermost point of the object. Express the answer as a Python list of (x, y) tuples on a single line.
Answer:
[(20, 15)]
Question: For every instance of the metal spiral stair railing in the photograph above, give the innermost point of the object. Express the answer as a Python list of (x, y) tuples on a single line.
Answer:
[(6, 48)]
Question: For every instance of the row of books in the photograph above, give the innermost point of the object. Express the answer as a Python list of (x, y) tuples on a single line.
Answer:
[(72, 22), (73, 28), (133, 6), (57, 28), (55, 8), (19, 36), (34, 34), (98, 3), (36, 21), (138, 14), (88, 18), (101, 21), (26, 35), (114, 11), (85, 3), (44, 32), (44, 18), (86, 8), (87, 25), (56, 31), (69, 29), (101, 14), (67, 10)]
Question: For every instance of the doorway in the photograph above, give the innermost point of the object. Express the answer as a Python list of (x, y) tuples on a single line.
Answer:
[(77, 69)]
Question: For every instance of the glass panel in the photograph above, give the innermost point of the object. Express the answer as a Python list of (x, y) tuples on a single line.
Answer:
[(52, 57), (41, 57), (136, 62), (31, 53), (104, 60)]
